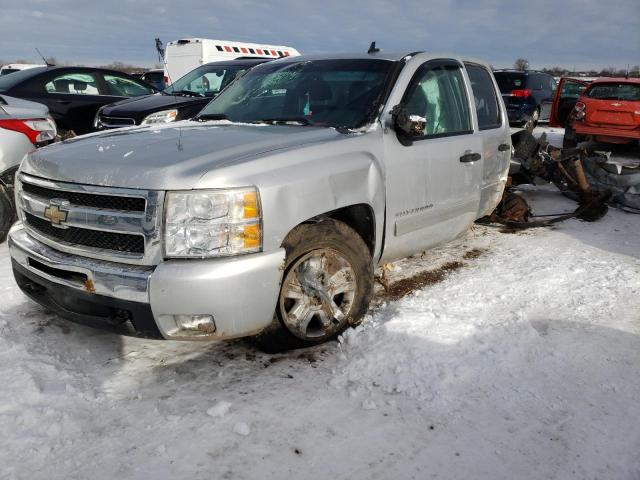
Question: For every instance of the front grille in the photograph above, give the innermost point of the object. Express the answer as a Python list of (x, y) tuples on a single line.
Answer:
[(108, 202), (120, 242)]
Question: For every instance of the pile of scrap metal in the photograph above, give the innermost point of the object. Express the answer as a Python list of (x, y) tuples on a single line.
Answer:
[(585, 175)]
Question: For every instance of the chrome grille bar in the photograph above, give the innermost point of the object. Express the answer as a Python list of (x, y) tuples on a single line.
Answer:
[(87, 222)]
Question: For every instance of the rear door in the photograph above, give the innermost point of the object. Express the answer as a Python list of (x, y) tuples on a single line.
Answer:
[(433, 181), (493, 130), (567, 94)]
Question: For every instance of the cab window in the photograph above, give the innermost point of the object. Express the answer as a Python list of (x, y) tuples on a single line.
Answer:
[(484, 96), (125, 87), (73, 83), (437, 94)]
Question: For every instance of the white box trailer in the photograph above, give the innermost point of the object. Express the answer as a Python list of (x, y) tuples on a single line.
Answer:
[(182, 56)]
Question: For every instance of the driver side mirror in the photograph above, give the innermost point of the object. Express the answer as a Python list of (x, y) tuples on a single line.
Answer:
[(407, 126)]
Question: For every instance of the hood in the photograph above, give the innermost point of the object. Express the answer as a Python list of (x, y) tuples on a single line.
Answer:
[(150, 103), (168, 157), (18, 108)]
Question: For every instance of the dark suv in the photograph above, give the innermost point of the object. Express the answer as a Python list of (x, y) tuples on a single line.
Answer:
[(527, 94)]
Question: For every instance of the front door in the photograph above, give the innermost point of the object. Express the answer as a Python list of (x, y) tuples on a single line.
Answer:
[(433, 178)]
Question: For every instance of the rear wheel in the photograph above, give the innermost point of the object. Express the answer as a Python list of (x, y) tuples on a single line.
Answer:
[(327, 285)]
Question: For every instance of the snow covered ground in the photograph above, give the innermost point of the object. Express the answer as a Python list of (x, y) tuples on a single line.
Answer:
[(521, 363)]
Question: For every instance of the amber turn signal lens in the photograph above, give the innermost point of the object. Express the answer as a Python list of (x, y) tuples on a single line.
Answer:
[(251, 205), (251, 236)]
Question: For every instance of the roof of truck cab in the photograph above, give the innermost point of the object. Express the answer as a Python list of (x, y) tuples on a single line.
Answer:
[(389, 56)]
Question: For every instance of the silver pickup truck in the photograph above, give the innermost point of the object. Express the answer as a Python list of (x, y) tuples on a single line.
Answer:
[(265, 215)]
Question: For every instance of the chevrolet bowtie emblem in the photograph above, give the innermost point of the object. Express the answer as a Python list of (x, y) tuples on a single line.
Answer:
[(55, 215)]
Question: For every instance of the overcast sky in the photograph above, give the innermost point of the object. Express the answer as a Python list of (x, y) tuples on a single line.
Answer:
[(580, 33)]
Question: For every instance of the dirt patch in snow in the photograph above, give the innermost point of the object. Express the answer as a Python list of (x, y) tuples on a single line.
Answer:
[(404, 287), (473, 253)]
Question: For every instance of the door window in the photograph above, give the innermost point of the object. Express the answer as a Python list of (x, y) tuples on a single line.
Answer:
[(437, 94), (73, 83), (125, 87), (485, 97)]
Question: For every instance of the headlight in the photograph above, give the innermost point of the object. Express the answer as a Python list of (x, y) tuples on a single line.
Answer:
[(165, 116), (212, 223)]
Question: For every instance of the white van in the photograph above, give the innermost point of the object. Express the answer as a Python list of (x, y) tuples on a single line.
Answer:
[(182, 56), (16, 67)]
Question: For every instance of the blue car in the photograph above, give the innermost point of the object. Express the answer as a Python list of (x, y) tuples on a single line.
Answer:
[(527, 94)]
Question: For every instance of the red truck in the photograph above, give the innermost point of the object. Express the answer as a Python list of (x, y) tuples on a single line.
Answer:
[(606, 109)]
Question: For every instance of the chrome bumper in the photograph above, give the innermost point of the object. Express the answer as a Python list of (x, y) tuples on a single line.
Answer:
[(240, 293)]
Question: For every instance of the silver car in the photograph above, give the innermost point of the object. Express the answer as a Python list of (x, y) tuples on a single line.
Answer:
[(266, 215)]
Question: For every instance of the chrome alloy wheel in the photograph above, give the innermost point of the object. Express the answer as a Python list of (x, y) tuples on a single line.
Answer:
[(317, 294)]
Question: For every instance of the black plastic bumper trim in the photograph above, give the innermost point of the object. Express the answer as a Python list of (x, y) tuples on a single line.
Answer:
[(106, 313)]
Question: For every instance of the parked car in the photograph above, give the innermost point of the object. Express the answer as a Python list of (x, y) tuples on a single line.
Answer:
[(73, 94), (183, 99), (267, 214), (607, 110), (23, 126), (16, 67), (186, 54), (527, 94), (155, 78)]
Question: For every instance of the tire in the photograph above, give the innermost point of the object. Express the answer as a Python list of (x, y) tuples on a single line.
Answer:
[(319, 256), (525, 145), (7, 213)]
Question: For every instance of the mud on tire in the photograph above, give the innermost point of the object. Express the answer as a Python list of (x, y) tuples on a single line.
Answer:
[(347, 253)]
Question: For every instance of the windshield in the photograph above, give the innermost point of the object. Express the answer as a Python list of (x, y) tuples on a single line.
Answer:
[(10, 81), (614, 91), (510, 81), (7, 71), (206, 81), (332, 93)]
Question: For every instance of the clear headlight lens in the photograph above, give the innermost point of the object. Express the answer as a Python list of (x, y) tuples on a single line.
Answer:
[(211, 223), (165, 116)]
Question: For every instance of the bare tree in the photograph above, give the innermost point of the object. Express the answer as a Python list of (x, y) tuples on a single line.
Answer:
[(521, 64)]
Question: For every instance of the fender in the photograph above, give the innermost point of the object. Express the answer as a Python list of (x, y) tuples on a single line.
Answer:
[(299, 184)]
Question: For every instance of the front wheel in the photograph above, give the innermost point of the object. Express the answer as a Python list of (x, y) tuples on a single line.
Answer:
[(327, 286)]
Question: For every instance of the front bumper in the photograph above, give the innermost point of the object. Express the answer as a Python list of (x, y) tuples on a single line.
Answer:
[(240, 293)]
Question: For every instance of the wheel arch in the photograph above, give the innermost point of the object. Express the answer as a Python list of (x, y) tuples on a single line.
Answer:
[(360, 217)]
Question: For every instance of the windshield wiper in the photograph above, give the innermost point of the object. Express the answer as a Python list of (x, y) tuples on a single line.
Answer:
[(211, 116), (300, 120)]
